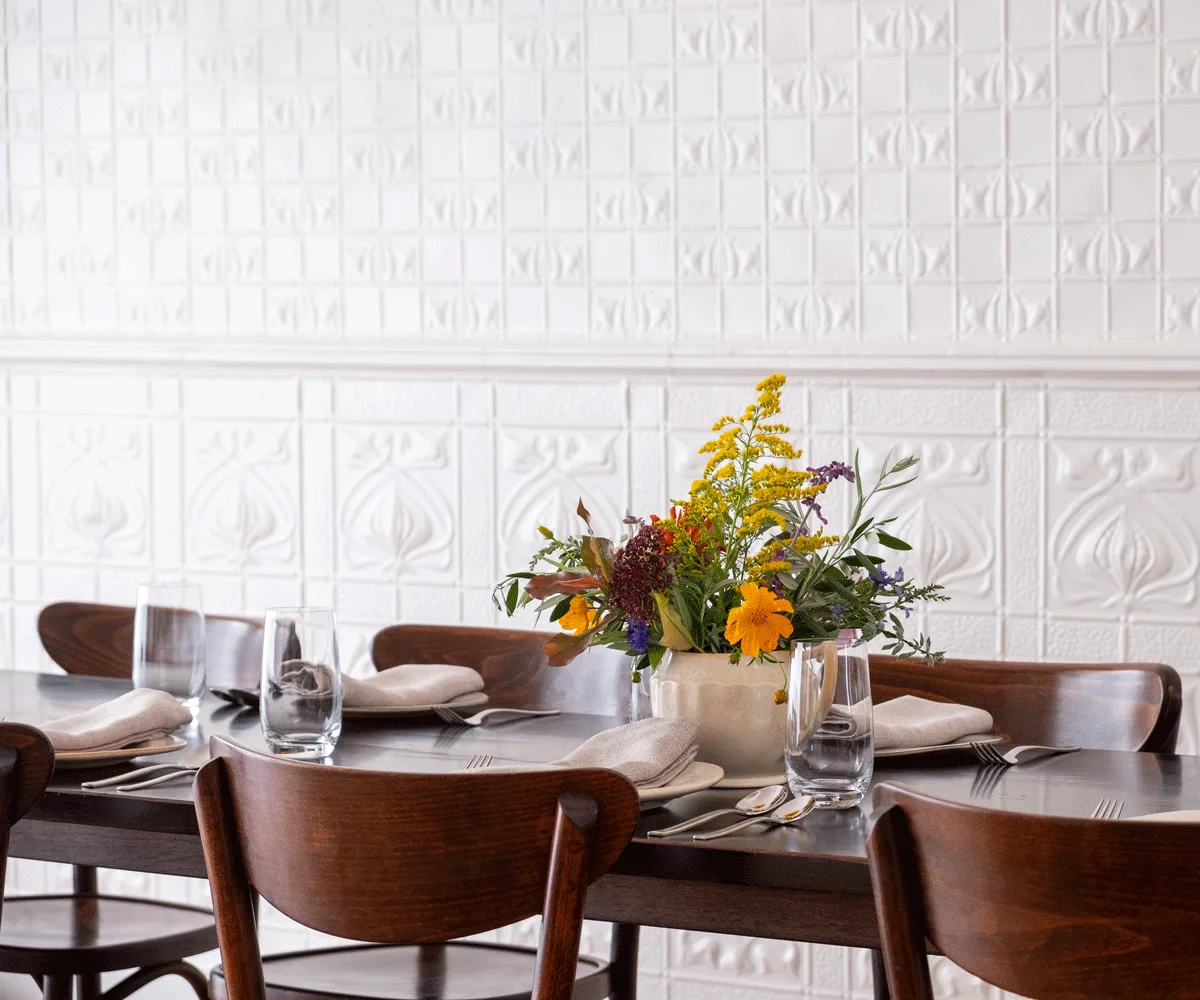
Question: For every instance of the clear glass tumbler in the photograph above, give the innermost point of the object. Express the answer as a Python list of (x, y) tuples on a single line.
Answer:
[(168, 641), (830, 750), (301, 696)]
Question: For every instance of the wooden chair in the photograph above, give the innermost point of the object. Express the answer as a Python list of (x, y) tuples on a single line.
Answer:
[(1045, 907), (513, 666), (1103, 706), (77, 937), (410, 861)]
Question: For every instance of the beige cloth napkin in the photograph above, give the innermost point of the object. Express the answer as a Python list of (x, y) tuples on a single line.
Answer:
[(649, 752), (134, 717), (1174, 816), (410, 684), (909, 721)]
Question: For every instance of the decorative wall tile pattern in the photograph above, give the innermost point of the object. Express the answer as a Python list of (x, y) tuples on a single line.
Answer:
[(697, 173)]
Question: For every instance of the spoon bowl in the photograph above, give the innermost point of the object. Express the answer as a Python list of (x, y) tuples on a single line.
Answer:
[(757, 803), (787, 814)]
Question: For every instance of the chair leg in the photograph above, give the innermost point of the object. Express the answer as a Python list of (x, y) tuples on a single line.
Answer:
[(56, 988), (87, 987), (131, 984), (879, 976), (623, 962)]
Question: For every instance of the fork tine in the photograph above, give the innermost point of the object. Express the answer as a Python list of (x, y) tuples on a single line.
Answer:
[(1120, 806), (448, 716)]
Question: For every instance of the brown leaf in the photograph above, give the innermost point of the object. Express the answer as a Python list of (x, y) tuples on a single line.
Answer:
[(547, 584), (562, 649), (582, 511)]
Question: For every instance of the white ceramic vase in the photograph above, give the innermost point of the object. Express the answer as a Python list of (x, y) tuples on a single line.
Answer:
[(741, 727)]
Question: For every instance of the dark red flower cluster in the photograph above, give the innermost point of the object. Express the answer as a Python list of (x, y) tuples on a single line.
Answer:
[(640, 567)]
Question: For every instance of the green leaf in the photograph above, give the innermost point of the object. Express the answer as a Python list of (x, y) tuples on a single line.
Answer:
[(892, 542), (510, 599), (560, 609), (654, 655)]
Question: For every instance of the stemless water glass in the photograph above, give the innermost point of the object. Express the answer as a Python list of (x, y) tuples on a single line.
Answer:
[(168, 641), (830, 746), (301, 696)]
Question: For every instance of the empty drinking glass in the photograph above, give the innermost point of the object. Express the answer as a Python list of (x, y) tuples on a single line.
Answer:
[(168, 641), (830, 750), (301, 696)]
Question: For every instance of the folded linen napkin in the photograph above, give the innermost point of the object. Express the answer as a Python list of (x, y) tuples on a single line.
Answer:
[(134, 717), (649, 752), (1174, 816), (410, 684), (909, 721)]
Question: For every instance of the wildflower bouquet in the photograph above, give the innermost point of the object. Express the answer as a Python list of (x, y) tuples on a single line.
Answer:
[(742, 567)]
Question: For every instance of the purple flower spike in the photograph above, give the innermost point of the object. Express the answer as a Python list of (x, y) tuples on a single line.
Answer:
[(637, 633), (828, 473)]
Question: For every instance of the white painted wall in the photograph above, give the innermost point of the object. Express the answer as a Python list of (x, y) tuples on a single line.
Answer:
[(334, 300)]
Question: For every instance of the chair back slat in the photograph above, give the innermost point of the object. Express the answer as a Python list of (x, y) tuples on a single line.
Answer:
[(1103, 706), (514, 667), (26, 766), (97, 640), (1050, 908), (405, 858)]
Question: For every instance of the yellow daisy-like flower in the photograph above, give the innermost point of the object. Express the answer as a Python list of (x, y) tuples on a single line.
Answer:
[(757, 622), (580, 617)]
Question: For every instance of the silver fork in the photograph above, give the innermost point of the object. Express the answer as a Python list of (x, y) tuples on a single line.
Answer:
[(452, 718), (1108, 809), (988, 754), (478, 762)]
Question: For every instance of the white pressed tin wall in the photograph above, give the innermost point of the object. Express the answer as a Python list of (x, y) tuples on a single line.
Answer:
[(335, 302)]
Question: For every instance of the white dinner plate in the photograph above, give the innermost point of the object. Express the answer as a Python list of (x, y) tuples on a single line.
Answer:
[(472, 700), (1178, 816), (65, 760), (696, 777), (753, 781), (962, 744)]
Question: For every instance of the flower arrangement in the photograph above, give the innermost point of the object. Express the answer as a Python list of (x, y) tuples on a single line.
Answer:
[(742, 567)]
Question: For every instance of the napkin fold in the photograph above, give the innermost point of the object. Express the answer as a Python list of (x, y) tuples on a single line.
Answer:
[(650, 752), (134, 717), (909, 721), (410, 684)]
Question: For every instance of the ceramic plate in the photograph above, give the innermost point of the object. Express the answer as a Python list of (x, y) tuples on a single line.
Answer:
[(1178, 816), (65, 760), (963, 744), (696, 777), (473, 700), (754, 781)]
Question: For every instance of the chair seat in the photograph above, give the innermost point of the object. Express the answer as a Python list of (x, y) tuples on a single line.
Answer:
[(456, 971), (77, 935)]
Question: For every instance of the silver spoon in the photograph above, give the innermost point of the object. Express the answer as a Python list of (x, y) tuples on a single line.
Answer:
[(786, 814), (754, 804)]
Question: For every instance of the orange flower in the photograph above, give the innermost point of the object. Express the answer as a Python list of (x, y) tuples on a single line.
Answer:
[(580, 617), (757, 622)]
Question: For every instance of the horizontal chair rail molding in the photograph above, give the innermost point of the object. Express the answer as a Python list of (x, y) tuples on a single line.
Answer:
[(530, 357)]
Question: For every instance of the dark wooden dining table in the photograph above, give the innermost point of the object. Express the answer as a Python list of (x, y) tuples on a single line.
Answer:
[(804, 883)]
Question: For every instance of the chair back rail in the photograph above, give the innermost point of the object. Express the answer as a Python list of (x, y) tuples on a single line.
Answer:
[(97, 640), (1103, 706), (1046, 907), (514, 667), (26, 766), (405, 858)]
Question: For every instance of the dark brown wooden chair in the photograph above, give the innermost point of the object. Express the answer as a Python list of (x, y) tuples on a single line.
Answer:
[(1103, 706), (513, 666), (58, 939), (409, 861), (1045, 907)]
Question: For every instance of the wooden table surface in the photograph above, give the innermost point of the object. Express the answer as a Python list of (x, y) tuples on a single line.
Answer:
[(808, 883)]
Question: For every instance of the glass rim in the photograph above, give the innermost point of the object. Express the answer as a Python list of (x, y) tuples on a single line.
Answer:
[(297, 608), (169, 585)]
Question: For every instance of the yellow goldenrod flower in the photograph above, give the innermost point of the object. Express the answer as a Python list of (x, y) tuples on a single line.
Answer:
[(580, 617), (757, 623)]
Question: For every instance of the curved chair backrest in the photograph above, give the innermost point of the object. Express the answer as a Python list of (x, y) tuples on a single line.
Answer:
[(1103, 706), (97, 640), (1047, 907), (514, 667), (396, 857), (26, 766)]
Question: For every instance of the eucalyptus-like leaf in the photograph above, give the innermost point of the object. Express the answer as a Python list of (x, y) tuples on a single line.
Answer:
[(560, 609), (892, 542)]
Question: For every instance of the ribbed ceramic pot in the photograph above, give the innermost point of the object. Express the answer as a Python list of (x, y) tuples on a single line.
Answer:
[(741, 727)]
